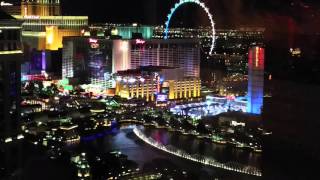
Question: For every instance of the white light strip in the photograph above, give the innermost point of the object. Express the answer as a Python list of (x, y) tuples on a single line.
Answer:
[(11, 52), (51, 17), (203, 160), (33, 34), (10, 27), (52, 24), (204, 7)]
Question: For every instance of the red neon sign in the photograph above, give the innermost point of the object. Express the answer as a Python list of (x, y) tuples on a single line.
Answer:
[(91, 40), (140, 41), (256, 58)]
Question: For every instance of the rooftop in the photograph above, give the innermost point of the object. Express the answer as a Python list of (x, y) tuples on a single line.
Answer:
[(5, 16), (142, 69)]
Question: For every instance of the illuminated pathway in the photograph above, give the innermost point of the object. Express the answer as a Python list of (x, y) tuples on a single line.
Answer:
[(233, 166)]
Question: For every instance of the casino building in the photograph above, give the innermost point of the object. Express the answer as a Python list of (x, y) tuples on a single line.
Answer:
[(40, 8), (179, 53), (44, 26), (156, 83), (89, 60), (95, 59)]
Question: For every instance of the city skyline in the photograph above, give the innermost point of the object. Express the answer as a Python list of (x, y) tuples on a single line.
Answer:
[(154, 89), (250, 11)]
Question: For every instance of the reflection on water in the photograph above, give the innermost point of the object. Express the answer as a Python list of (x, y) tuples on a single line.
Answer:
[(204, 147), (124, 140)]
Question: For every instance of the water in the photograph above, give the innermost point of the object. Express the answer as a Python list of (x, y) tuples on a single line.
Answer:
[(204, 147), (124, 140)]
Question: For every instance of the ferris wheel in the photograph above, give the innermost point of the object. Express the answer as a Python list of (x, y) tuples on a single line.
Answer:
[(204, 7)]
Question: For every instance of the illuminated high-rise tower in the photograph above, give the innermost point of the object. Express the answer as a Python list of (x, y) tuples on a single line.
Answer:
[(255, 80), (44, 27), (40, 8), (180, 53)]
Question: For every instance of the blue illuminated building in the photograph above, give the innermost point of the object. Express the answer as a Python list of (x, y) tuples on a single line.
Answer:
[(255, 80)]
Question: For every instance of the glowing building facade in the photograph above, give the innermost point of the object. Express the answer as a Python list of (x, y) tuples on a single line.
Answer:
[(128, 32), (125, 31), (40, 8), (44, 27), (255, 80), (159, 84), (94, 59), (87, 59), (179, 53)]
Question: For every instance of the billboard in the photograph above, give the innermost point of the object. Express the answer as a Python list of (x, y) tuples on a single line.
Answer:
[(162, 97)]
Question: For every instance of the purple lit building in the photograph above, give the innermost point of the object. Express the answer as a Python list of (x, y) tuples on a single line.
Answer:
[(38, 62)]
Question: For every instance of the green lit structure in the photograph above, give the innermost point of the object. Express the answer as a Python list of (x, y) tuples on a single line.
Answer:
[(126, 32)]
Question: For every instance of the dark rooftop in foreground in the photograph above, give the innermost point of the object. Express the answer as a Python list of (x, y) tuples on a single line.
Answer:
[(5, 16)]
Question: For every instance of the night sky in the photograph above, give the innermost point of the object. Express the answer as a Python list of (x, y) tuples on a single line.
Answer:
[(284, 20), (228, 13)]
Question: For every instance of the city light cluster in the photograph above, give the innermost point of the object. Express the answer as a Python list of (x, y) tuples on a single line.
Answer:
[(211, 107)]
